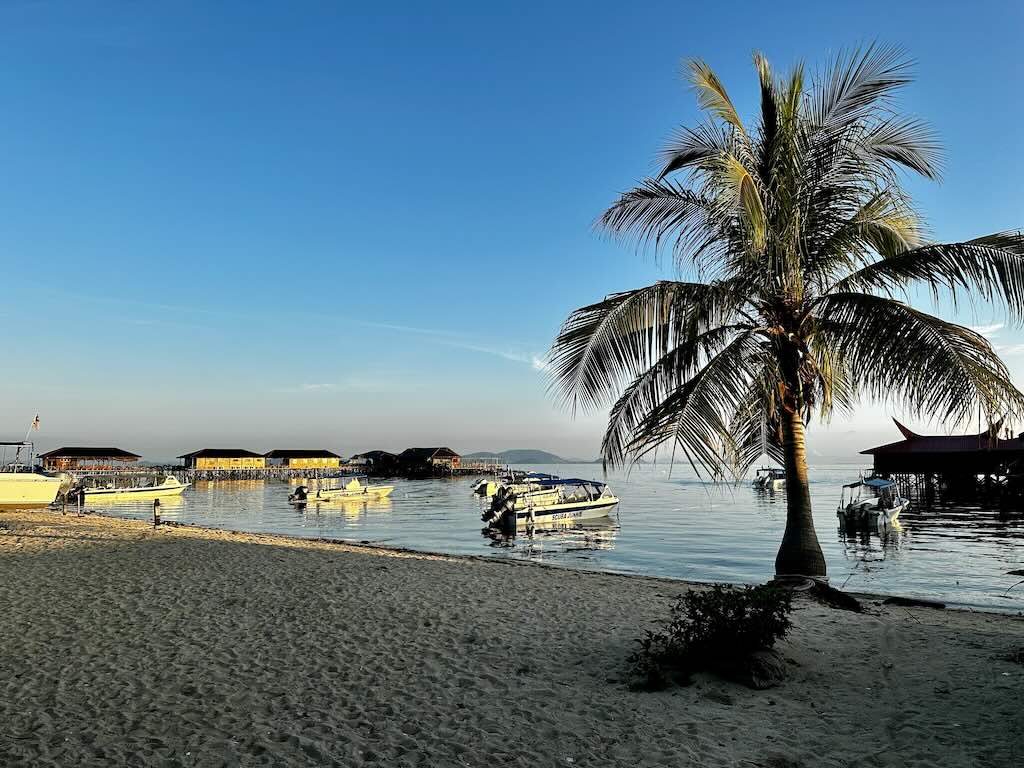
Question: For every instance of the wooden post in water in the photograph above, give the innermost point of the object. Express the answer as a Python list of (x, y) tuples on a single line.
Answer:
[(156, 512)]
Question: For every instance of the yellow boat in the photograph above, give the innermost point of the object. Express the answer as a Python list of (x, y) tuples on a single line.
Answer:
[(21, 485), (354, 489), (170, 486)]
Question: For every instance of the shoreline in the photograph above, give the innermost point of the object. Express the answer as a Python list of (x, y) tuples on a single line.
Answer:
[(191, 646), (368, 545)]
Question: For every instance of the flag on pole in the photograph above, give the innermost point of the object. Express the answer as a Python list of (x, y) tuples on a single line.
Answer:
[(35, 423)]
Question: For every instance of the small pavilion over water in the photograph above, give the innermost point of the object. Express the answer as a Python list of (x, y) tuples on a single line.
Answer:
[(303, 458), (87, 459), (927, 462)]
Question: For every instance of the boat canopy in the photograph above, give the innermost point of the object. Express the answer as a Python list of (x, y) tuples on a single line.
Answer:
[(570, 481), (872, 482)]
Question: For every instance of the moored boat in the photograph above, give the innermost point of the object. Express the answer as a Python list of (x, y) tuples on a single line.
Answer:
[(356, 488), (770, 479), (870, 501), (167, 485), (549, 500), (23, 485), (516, 479)]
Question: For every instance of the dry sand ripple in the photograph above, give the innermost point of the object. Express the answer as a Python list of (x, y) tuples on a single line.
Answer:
[(124, 645)]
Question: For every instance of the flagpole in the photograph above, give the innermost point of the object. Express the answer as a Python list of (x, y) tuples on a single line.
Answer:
[(33, 425)]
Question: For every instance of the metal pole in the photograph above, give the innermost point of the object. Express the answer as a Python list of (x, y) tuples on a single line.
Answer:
[(156, 512)]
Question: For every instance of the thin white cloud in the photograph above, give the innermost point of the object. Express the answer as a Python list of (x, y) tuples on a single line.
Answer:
[(540, 364), (503, 352), (988, 331), (1013, 349), (303, 388)]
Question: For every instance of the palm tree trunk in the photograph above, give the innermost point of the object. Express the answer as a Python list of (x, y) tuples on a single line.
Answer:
[(800, 553)]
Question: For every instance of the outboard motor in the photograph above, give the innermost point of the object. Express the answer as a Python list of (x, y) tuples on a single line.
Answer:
[(502, 504)]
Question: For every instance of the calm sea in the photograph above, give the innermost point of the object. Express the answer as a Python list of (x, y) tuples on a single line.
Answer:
[(668, 524)]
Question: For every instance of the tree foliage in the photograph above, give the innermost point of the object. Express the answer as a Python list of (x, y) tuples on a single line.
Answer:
[(805, 247)]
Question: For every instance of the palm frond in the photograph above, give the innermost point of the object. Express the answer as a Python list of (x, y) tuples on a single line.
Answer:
[(855, 83), (901, 355), (694, 417), (692, 146), (651, 387), (990, 267), (711, 94), (755, 427), (769, 129), (659, 210), (603, 346), (905, 141), (742, 188)]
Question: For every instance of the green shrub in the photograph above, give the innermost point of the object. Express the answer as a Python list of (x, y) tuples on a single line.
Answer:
[(711, 627)]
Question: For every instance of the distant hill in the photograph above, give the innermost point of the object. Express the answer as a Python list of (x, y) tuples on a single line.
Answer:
[(524, 456)]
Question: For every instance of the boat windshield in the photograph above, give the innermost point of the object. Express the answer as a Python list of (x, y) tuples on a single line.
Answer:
[(17, 456)]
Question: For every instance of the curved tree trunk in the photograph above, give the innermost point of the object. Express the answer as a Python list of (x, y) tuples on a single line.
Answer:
[(800, 553)]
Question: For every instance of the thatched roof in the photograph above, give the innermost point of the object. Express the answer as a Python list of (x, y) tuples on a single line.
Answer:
[(221, 453), (84, 452), (912, 442), (426, 454), (298, 453)]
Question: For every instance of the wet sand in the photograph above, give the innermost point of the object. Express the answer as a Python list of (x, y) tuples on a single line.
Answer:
[(180, 646)]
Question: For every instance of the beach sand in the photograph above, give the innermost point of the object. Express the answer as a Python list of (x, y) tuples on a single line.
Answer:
[(179, 646)]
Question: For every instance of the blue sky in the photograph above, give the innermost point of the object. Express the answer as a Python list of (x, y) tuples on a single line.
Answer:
[(278, 224)]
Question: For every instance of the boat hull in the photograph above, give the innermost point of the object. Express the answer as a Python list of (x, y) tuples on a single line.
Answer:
[(128, 494), (341, 494), (872, 515), (28, 489), (579, 510)]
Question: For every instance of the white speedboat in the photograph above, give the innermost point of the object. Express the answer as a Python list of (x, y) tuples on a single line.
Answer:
[(870, 501), (356, 488), (770, 479), (549, 500), (515, 479), (168, 485), (22, 485)]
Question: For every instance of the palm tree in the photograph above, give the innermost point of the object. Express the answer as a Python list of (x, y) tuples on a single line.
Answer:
[(804, 248)]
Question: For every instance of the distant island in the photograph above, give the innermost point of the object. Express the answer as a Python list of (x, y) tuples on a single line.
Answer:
[(529, 456), (525, 456)]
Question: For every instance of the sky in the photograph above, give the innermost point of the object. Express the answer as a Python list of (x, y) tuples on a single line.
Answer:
[(358, 226)]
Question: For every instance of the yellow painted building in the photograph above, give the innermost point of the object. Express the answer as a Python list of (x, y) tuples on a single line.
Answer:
[(223, 459), (310, 458)]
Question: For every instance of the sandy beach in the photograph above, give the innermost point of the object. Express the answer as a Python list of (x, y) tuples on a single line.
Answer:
[(121, 644)]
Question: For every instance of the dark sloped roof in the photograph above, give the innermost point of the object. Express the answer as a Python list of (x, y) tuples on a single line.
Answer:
[(915, 443), (84, 452), (299, 453), (375, 455), (423, 454), (221, 453)]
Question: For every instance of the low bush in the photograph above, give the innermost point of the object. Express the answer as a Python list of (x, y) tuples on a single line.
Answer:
[(710, 628)]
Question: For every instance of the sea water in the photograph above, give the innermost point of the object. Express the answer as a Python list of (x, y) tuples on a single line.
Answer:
[(669, 524)]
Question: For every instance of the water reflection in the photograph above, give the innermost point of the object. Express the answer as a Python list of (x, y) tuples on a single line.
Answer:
[(351, 509), (870, 543), (576, 537), (114, 504)]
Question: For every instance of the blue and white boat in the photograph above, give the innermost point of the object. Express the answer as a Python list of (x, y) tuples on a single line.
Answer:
[(549, 500), (870, 501)]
